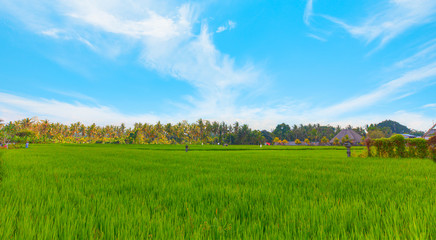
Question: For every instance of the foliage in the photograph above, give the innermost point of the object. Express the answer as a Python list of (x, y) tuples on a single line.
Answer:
[(307, 141), (162, 192), (336, 142), (384, 147), (345, 139), (202, 131), (399, 144), (394, 127), (389, 127), (396, 147), (324, 140), (417, 147), (375, 134), (267, 135), (297, 141), (313, 132), (282, 131)]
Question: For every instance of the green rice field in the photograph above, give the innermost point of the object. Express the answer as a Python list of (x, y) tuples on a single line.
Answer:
[(213, 192)]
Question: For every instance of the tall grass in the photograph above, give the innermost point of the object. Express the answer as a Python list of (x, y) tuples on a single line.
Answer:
[(141, 192)]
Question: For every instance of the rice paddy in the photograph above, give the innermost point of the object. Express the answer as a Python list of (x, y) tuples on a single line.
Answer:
[(212, 192)]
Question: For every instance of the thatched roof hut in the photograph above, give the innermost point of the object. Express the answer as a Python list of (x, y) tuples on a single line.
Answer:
[(352, 135)]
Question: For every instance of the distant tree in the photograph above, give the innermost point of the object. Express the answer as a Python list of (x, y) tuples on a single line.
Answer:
[(336, 141), (394, 127), (282, 131), (285, 141), (267, 135), (276, 140), (375, 134)]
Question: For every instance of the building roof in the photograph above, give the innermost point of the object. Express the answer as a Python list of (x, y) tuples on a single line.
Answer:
[(352, 135), (430, 132), (408, 135)]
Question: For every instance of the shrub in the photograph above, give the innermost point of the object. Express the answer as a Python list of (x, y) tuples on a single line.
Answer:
[(336, 141), (324, 140), (297, 141), (418, 147), (378, 144), (399, 143), (384, 147), (307, 141), (345, 139)]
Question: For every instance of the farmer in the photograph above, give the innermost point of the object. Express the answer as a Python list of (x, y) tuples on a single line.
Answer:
[(27, 144)]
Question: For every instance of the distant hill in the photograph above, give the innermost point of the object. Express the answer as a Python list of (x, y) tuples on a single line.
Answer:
[(394, 126)]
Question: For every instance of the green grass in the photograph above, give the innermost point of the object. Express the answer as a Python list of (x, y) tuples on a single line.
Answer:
[(212, 192)]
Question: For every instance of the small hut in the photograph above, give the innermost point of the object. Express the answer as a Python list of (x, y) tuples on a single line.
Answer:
[(352, 135)]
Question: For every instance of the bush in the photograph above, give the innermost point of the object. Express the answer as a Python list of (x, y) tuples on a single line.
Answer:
[(345, 139), (324, 140), (399, 143), (384, 147), (418, 147)]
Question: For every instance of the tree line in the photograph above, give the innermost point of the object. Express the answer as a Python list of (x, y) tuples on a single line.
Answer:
[(199, 132)]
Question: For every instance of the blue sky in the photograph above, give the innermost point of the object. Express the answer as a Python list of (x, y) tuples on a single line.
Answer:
[(257, 62)]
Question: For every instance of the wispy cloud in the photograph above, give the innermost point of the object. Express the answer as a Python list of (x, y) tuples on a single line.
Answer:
[(167, 41), (430, 105), (316, 37), (228, 26), (15, 107), (308, 12), (392, 19), (426, 53), (384, 92)]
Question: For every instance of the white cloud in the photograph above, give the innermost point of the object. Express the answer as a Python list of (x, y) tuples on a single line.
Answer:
[(386, 23), (228, 26), (426, 54), (168, 41), (53, 32), (385, 91), (15, 107), (308, 12), (316, 37), (430, 105), (412, 120)]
